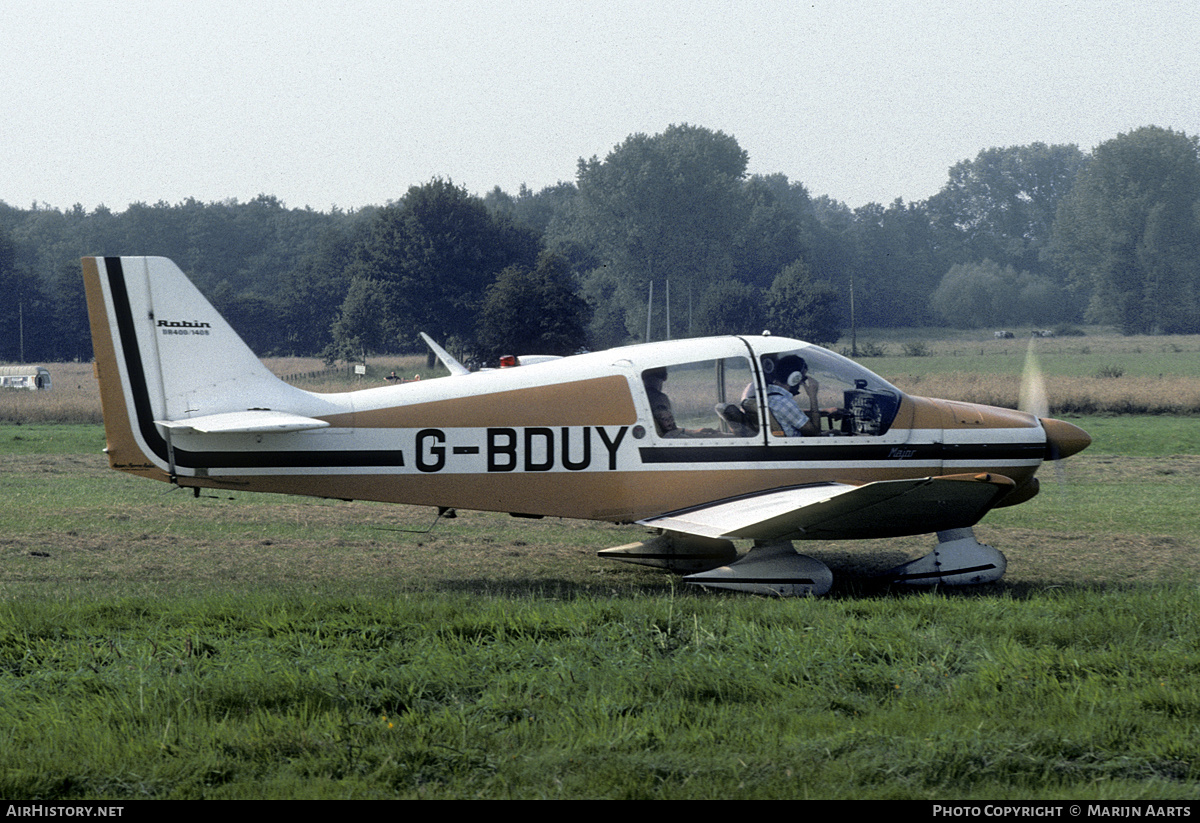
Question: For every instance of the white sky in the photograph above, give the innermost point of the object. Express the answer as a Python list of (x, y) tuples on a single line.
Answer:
[(349, 103)]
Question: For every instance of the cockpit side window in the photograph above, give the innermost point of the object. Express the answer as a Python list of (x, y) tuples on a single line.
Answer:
[(699, 399)]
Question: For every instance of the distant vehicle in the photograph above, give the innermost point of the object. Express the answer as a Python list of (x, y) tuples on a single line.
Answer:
[(669, 435), (35, 378)]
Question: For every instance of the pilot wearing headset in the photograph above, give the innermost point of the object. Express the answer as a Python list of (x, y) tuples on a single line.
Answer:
[(785, 377)]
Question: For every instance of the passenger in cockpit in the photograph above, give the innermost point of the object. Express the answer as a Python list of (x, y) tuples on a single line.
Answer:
[(660, 404)]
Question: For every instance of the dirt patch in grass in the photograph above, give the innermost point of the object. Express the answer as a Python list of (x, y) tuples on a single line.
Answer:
[(82, 528)]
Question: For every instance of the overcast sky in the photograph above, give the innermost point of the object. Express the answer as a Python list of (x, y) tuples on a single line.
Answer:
[(350, 103)]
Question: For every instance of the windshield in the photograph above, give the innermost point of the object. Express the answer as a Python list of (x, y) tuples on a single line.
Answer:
[(847, 398)]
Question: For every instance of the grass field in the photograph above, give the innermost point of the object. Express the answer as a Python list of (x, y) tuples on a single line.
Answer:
[(1084, 375), (155, 645)]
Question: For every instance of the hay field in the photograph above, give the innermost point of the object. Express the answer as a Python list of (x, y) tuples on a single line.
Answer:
[(1096, 374), (75, 397), (1099, 374)]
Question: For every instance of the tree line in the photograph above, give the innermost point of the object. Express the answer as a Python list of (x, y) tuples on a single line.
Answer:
[(667, 235)]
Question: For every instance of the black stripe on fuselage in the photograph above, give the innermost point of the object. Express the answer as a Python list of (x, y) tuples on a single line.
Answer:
[(841, 450)]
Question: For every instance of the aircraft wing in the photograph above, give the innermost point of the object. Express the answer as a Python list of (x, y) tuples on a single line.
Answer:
[(839, 511), (253, 421)]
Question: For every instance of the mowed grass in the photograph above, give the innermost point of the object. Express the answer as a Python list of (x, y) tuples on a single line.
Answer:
[(1069, 694), (156, 645)]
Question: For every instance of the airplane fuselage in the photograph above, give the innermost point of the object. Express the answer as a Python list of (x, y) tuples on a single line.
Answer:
[(575, 437)]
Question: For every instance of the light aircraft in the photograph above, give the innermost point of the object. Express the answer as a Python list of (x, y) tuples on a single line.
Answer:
[(186, 402)]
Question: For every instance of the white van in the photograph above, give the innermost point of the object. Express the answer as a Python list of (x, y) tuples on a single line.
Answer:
[(25, 377)]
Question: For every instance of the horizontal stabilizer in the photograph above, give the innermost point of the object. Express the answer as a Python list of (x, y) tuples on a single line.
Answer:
[(837, 511), (254, 421)]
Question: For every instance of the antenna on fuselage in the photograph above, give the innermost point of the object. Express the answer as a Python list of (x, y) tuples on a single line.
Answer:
[(447, 360)]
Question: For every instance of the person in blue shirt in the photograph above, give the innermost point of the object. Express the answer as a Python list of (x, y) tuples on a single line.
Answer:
[(785, 378)]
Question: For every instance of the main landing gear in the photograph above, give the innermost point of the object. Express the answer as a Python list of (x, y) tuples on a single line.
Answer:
[(776, 568)]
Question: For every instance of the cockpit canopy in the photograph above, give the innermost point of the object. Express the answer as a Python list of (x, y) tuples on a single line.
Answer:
[(717, 396)]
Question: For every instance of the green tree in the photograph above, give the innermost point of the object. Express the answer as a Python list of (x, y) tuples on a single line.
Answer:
[(362, 325), (428, 260), (897, 262), (1001, 205), (779, 229), (602, 289), (26, 314), (255, 318), (731, 307), (72, 337), (659, 208), (798, 305), (311, 294), (1129, 231), (533, 311), (975, 295)]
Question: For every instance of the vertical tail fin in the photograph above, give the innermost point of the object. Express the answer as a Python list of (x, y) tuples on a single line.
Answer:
[(164, 355)]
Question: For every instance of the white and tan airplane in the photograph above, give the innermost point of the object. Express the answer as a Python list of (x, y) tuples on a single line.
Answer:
[(668, 435)]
